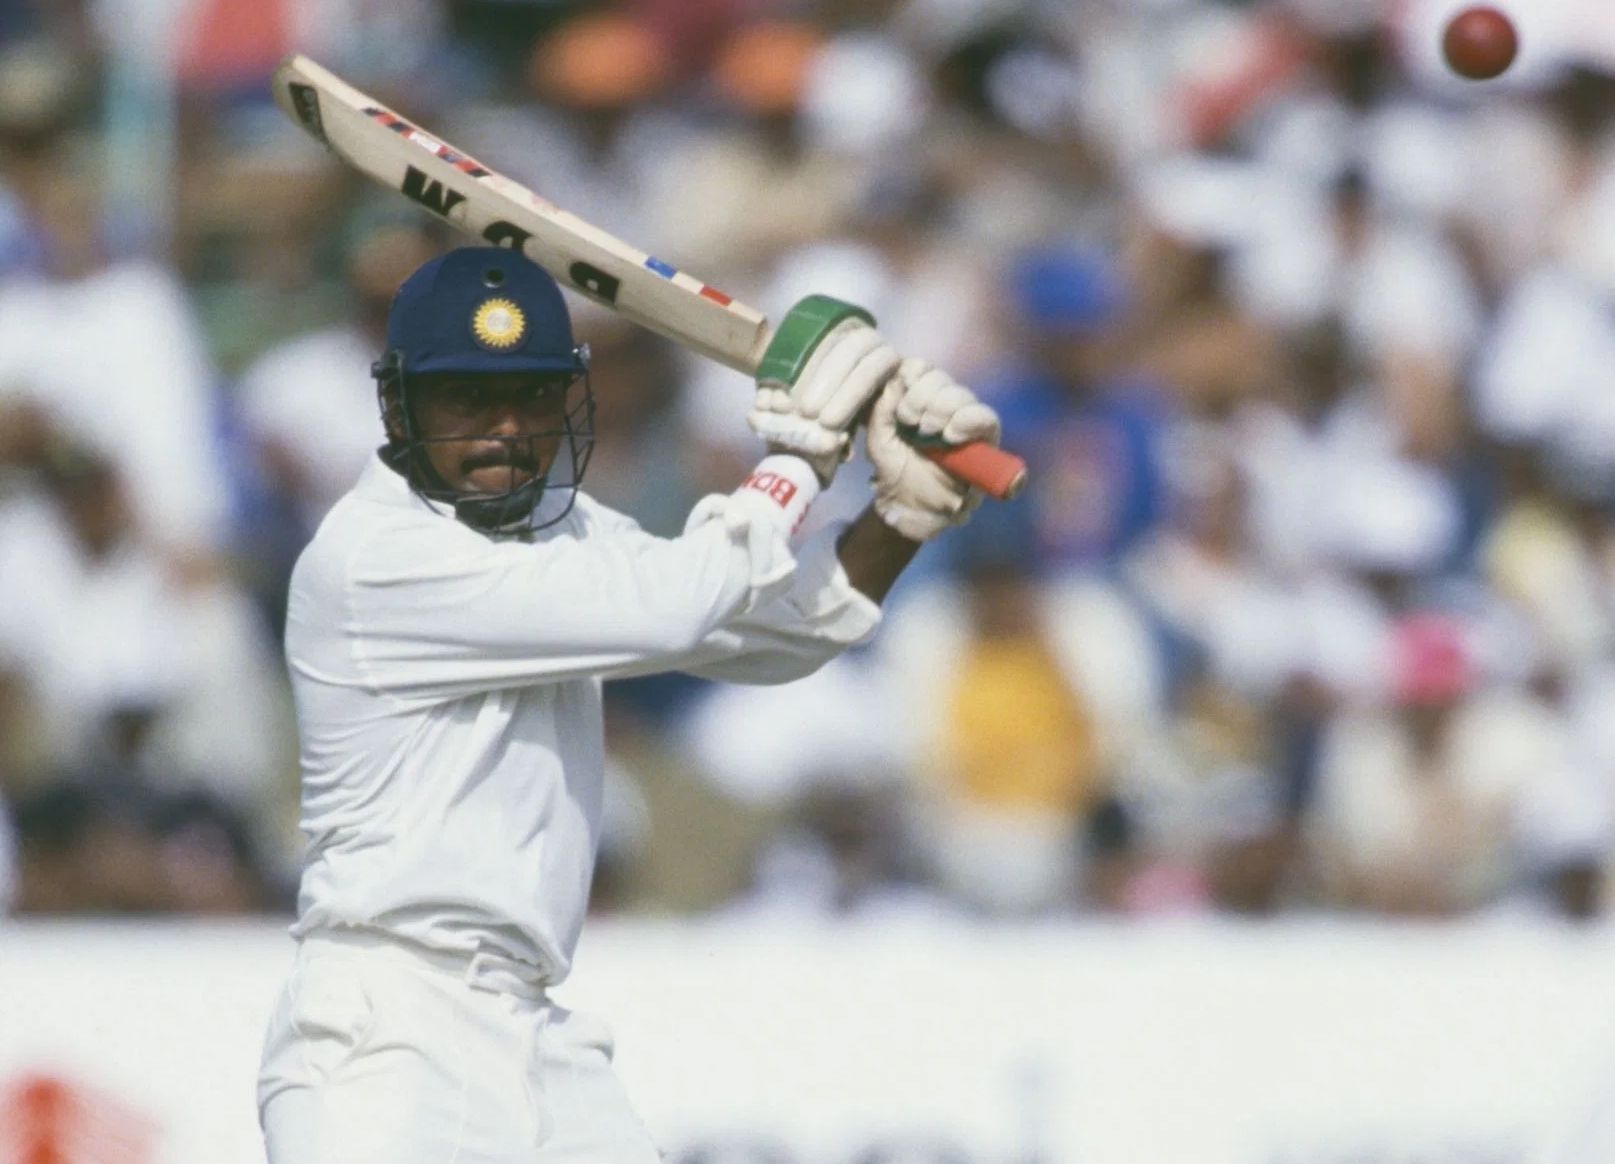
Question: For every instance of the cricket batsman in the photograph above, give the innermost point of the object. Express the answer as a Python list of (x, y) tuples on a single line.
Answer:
[(448, 632)]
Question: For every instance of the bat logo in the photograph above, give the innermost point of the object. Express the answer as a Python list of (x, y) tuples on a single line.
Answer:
[(506, 234), (307, 103), (595, 281), (429, 192)]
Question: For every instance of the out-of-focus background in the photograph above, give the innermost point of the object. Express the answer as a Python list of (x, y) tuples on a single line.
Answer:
[(1256, 770)]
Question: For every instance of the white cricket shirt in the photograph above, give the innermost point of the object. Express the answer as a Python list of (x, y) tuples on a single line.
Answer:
[(448, 692)]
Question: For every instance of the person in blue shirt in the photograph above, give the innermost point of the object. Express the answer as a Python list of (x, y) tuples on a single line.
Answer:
[(1091, 429)]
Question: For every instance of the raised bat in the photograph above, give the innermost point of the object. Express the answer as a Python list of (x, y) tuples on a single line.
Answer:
[(435, 175)]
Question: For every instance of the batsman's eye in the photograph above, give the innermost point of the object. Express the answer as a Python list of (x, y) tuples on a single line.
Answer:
[(476, 398)]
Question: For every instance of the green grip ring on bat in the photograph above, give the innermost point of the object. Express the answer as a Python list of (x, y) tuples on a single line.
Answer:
[(800, 332)]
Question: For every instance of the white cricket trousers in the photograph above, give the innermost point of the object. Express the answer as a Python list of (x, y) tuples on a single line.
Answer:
[(379, 1053)]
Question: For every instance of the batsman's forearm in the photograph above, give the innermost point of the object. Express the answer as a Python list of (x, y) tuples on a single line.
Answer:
[(874, 554)]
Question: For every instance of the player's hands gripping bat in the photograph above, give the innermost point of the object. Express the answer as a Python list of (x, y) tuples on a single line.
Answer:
[(427, 170), (814, 417), (912, 494)]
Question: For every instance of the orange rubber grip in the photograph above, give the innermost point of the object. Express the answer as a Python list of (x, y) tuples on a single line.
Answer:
[(997, 473)]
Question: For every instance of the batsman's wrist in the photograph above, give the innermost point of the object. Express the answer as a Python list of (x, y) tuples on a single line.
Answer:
[(824, 465), (780, 490)]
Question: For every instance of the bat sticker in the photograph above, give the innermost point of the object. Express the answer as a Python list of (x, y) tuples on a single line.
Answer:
[(642, 288), (595, 281), (506, 234), (307, 103), (429, 192), (426, 141)]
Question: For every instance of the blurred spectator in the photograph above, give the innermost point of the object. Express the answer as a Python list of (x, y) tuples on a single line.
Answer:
[(209, 860), (1015, 760), (101, 842), (642, 453), (844, 850), (85, 848), (1540, 381), (1090, 430), (126, 657), (1205, 580), (1551, 552), (308, 405), (752, 187), (594, 137), (110, 351), (1415, 810), (1206, 810), (1312, 596), (10, 874)]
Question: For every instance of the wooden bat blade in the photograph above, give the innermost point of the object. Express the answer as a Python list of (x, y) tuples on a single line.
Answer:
[(457, 188), (454, 186)]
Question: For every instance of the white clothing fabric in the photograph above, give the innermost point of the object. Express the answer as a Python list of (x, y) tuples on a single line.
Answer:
[(95, 635), (313, 398), (1341, 493), (1404, 292), (1542, 373), (378, 1054), (448, 690), (117, 358), (1448, 819), (768, 746)]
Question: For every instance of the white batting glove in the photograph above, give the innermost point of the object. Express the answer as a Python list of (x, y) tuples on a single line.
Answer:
[(914, 495), (813, 418)]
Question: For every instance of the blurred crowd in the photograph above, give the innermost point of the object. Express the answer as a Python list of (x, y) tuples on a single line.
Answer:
[(1311, 349)]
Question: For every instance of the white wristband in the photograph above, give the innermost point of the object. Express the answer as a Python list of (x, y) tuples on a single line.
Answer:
[(780, 488)]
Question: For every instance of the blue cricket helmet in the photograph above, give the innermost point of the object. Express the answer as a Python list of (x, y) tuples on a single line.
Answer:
[(480, 311)]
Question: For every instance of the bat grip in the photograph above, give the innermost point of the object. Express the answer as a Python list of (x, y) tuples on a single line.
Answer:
[(997, 473)]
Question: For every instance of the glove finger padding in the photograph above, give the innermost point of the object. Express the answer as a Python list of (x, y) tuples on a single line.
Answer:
[(937, 406), (914, 495), (842, 374), (773, 400), (858, 387), (974, 422), (811, 417), (793, 434), (925, 386)]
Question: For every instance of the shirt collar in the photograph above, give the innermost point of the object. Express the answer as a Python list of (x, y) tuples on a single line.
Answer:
[(385, 485)]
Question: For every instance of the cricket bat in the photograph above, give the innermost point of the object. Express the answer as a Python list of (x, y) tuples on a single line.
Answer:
[(450, 184)]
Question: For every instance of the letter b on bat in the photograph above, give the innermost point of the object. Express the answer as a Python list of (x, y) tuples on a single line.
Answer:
[(505, 234)]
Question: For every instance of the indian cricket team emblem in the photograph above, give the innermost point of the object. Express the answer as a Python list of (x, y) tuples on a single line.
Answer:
[(499, 325)]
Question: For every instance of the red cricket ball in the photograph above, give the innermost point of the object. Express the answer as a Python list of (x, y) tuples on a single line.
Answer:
[(1480, 43)]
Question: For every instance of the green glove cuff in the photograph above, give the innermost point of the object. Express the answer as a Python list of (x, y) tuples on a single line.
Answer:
[(800, 332)]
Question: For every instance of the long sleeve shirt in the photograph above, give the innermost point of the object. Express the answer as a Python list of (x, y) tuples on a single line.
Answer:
[(448, 694)]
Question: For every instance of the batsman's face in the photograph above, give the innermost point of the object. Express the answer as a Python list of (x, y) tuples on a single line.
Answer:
[(491, 434)]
